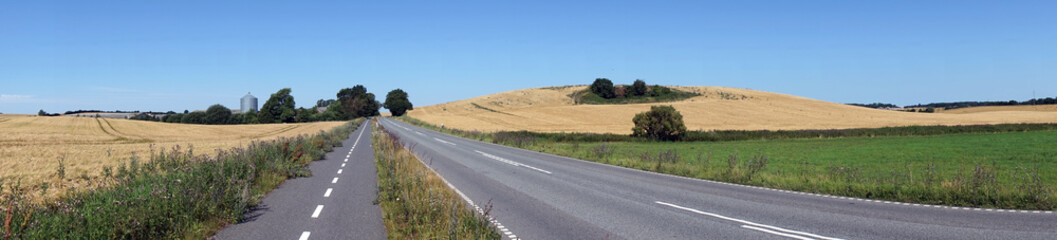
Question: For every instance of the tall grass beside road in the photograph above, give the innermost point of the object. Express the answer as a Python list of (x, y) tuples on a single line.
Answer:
[(176, 194), (416, 203), (977, 166)]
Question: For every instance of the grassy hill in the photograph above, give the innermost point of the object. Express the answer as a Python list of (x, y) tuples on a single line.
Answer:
[(717, 108)]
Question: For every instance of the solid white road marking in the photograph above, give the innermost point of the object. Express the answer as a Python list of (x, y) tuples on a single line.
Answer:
[(304, 235), (342, 165), (517, 164), (319, 209), (327, 194), (445, 142), (339, 171), (777, 233), (743, 221), (334, 181)]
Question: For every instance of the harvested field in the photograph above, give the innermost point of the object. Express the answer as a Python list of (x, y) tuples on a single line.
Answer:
[(718, 108), (31, 146)]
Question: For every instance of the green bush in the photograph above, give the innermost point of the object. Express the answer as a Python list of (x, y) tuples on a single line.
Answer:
[(660, 123)]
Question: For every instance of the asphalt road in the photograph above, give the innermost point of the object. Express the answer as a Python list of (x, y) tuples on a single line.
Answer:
[(334, 203), (541, 196)]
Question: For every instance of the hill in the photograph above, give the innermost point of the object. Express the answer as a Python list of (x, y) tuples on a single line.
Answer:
[(717, 108)]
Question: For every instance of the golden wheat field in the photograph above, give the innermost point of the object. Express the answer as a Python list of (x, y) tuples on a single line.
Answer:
[(718, 108), (31, 146)]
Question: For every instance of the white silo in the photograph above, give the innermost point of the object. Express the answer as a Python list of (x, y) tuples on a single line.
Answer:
[(249, 102)]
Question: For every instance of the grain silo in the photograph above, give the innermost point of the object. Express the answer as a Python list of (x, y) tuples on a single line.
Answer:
[(249, 103)]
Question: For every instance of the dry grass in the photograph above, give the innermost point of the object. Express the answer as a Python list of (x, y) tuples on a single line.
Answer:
[(31, 146), (719, 108)]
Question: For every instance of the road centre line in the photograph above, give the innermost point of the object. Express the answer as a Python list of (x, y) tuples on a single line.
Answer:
[(319, 209), (304, 235), (746, 222), (339, 171), (334, 181), (517, 164), (327, 194), (342, 164), (445, 142)]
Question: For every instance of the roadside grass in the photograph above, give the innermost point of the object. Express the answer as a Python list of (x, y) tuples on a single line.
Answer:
[(1007, 169), (176, 194), (416, 203)]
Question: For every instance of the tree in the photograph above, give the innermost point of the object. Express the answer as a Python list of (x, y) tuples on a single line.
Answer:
[(42, 113), (325, 103), (603, 88), (639, 88), (217, 114), (196, 117), (278, 108), (356, 102), (397, 103), (660, 123)]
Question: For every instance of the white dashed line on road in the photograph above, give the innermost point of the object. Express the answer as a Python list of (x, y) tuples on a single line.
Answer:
[(304, 235), (339, 171), (327, 194), (517, 164), (445, 142), (319, 209), (334, 181)]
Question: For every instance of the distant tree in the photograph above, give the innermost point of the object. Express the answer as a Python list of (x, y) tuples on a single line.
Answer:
[(217, 114), (325, 103), (194, 118), (930, 110), (603, 88), (638, 88), (660, 123), (250, 117), (397, 102), (42, 113), (356, 102), (278, 108)]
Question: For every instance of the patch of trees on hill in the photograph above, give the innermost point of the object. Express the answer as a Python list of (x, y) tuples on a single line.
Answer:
[(602, 91), (875, 105), (965, 104)]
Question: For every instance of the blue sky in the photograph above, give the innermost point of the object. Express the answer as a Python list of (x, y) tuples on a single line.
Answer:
[(154, 56)]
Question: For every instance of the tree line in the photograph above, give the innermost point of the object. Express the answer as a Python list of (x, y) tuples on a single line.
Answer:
[(350, 103), (965, 104)]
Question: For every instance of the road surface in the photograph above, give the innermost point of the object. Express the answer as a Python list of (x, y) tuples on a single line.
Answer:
[(541, 196), (334, 203)]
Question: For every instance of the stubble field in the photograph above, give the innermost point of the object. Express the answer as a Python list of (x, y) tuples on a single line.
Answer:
[(32, 147), (718, 108)]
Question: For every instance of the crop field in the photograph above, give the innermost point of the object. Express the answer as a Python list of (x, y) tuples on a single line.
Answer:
[(717, 108), (31, 147)]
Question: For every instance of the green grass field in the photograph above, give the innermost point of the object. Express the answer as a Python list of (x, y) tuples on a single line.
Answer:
[(1005, 170), (1015, 170)]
